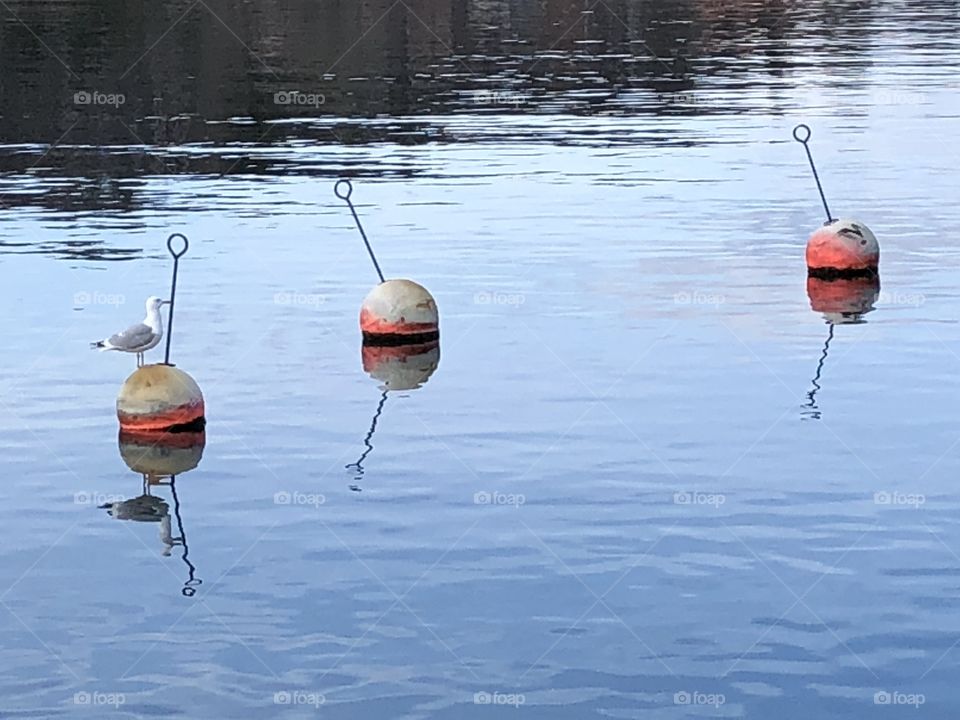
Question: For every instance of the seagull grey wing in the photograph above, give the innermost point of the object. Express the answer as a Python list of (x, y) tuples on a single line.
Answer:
[(133, 338)]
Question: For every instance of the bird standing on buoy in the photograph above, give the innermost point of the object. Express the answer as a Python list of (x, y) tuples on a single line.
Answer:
[(140, 337), (841, 248)]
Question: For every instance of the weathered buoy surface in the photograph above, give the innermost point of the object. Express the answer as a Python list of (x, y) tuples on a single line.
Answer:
[(401, 367), (399, 311), (843, 249), (845, 300), (156, 398), (162, 453)]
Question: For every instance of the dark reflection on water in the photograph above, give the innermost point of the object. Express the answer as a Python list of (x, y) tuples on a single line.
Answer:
[(185, 67), (98, 92)]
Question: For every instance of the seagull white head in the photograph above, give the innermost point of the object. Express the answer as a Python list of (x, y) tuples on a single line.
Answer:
[(154, 303)]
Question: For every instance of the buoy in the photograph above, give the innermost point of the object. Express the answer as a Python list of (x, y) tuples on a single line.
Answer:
[(843, 249), (401, 367), (395, 312), (158, 398), (399, 312), (161, 454), (843, 301)]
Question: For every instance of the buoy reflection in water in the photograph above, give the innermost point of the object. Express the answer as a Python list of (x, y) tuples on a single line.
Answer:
[(158, 460), (399, 368), (842, 302)]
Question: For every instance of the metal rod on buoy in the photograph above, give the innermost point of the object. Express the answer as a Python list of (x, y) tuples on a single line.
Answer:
[(173, 286), (804, 140), (345, 196)]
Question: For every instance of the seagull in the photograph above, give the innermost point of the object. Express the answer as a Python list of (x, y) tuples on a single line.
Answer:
[(140, 337)]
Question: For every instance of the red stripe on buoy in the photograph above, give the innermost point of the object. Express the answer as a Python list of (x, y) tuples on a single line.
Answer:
[(182, 415), (370, 324)]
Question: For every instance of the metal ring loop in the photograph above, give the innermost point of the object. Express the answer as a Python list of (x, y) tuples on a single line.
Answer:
[(349, 191), (186, 245), (797, 137)]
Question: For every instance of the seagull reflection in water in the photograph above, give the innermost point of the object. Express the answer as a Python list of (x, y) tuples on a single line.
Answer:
[(151, 508)]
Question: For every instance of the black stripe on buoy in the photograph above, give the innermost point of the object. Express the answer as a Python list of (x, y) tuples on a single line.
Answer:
[(394, 340), (827, 273)]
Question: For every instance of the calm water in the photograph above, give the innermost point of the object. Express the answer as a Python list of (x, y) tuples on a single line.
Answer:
[(636, 485)]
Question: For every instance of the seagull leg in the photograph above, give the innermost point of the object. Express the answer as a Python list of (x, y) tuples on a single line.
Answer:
[(139, 359)]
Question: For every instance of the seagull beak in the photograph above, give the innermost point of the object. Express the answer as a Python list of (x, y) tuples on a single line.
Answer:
[(164, 302)]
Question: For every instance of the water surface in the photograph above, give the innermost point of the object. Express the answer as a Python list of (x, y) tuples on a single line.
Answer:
[(636, 484)]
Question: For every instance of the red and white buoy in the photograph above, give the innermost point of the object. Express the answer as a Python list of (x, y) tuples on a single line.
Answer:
[(160, 398), (395, 312), (399, 312), (843, 249)]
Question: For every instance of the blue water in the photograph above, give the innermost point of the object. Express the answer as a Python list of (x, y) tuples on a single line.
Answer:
[(613, 498)]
